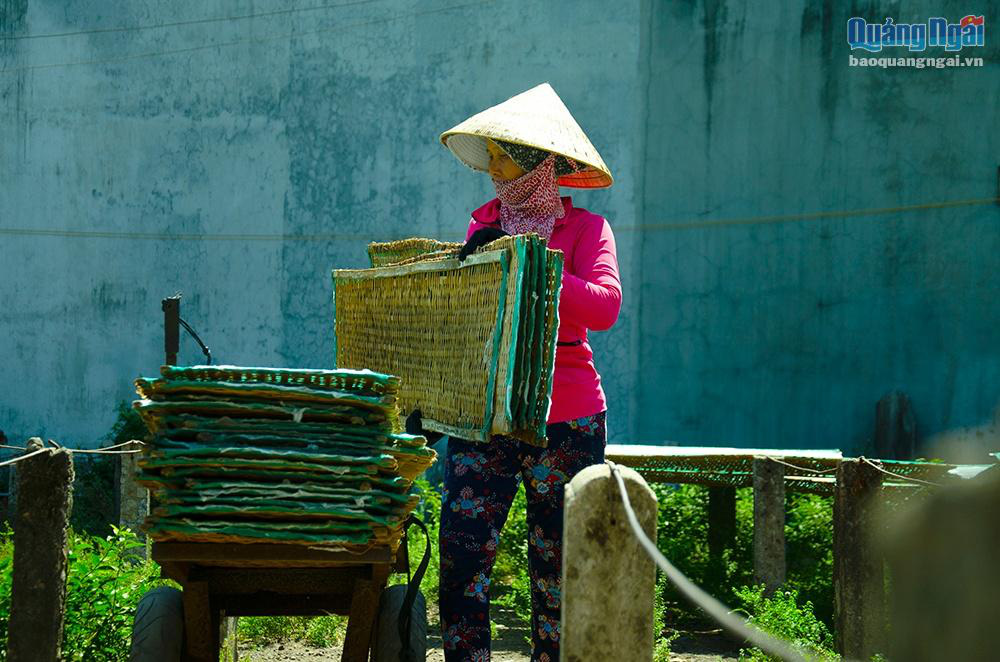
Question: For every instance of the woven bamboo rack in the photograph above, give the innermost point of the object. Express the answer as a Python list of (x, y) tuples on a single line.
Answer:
[(310, 457), (473, 341)]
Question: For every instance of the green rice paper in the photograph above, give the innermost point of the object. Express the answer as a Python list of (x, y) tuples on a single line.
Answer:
[(170, 464), (219, 453), (225, 425), (280, 510), (152, 411), (262, 531), (192, 490), (538, 332), (363, 382), (167, 390), (182, 473)]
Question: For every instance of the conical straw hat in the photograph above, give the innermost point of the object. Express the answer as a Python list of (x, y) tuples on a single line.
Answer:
[(536, 118)]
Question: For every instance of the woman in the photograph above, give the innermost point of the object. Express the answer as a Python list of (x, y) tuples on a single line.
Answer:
[(529, 145)]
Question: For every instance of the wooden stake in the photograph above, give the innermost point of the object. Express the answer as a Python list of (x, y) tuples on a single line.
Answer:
[(721, 529)]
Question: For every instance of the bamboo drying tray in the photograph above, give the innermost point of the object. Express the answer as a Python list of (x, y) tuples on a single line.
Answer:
[(473, 341), (310, 457)]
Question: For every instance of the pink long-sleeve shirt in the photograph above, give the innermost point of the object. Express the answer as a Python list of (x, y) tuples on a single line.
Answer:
[(590, 299)]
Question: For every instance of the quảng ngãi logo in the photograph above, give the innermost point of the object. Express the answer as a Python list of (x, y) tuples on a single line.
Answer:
[(937, 32)]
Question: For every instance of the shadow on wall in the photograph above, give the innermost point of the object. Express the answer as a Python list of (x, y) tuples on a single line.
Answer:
[(966, 445)]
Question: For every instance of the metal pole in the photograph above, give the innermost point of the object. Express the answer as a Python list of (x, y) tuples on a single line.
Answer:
[(171, 328)]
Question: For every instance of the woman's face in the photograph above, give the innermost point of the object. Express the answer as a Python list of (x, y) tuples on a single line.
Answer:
[(502, 167)]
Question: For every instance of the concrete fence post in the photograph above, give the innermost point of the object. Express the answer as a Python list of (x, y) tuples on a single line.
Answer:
[(134, 498), (38, 585), (608, 579), (858, 578), (768, 523)]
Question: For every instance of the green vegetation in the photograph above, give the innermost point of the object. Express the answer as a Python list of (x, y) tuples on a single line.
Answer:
[(682, 535), (106, 579), (661, 642), (784, 616)]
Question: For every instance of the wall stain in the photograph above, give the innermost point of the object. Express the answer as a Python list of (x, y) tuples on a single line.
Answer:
[(13, 21), (715, 17)]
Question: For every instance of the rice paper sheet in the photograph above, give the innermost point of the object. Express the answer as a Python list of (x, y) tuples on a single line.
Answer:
[(271, 455), (168, 465), (176, 424), (357, 416), (164, 390), (218, 453), (278, 510), (389, 483)]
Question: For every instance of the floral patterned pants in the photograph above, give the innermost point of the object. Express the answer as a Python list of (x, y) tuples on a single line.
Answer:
[(480, 482)]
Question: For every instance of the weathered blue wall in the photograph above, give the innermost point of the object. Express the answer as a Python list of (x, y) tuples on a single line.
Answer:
[(787, 333), (331, 136), (240, 174)]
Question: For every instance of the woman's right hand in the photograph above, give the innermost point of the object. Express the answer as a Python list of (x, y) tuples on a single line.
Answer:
[(415, 425)]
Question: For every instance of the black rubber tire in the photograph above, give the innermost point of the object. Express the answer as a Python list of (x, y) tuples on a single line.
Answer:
[(386, 645), (158, 627)]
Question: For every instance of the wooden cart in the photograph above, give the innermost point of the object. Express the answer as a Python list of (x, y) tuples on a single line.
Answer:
[(229, 579)]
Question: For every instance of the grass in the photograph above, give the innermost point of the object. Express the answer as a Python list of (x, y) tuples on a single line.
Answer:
[(785, 616)]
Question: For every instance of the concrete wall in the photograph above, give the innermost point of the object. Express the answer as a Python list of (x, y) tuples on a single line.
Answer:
[(787, 333), (331, 136), (240, 174)]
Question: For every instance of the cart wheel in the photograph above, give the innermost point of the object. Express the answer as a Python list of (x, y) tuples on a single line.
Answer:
[(387, 646), (158, 628)]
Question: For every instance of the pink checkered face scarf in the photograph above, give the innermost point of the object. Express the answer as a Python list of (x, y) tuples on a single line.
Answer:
[(531, 203)]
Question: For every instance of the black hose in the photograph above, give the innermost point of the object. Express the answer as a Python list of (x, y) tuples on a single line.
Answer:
[(204, 349)]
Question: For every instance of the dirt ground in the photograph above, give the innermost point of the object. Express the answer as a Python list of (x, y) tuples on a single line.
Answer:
[(510, 645)]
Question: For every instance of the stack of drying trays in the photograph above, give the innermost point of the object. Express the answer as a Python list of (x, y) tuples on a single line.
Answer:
[(269, 455), (473, 342)]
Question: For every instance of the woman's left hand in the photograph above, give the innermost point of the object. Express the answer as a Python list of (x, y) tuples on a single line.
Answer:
[(479, 238)]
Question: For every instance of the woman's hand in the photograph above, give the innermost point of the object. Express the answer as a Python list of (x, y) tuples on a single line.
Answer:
[(479, 238)]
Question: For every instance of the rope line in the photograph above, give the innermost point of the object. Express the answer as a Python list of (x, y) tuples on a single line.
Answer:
[(715, 609), (238, 42), (896, 475), (175, 24), (798, 468), (109, 450), (24, 457), (750, 220)]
